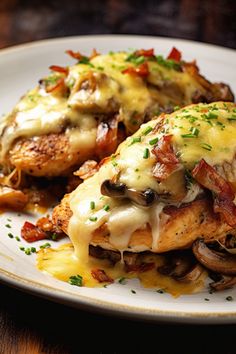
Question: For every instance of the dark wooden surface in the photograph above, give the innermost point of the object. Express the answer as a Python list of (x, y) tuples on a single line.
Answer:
[(32, 325)]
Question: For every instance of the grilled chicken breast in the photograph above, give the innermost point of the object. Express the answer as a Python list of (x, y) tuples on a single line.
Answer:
[(168, 184), (86, 110)]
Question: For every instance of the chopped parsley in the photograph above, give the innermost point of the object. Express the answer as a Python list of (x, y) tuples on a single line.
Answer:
[(122, 281), (136, 60), (17, 238), (45, 245), (229, 298), (93, 218), (92, 205), (194, 133), (160, 291), (10, 235), (106, 207), (206, 146), (168, 63), (76, 280), (133, 291), (54, 236), (153, 141), (147, 130), (146, 153), (135, 140), (8, 226)]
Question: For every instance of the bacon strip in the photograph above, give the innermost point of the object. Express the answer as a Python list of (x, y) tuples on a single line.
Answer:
[(141, 70), (145, 53), (108, 137), (167, 162), (59, 69), (175, 55), (58, 86), (32, 233), (101, 276), (223, 193), (75, 55)]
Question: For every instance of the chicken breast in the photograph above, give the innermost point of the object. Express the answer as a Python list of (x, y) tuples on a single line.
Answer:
[(165, 186), (86, 110)]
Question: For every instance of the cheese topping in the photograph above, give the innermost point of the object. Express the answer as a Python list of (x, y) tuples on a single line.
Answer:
[(199, 131), (98, 87)]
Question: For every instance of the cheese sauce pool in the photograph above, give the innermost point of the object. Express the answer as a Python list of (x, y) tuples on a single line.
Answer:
[(62, 263)]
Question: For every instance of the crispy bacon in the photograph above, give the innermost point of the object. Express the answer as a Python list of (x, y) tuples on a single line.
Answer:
[(167, 162), (58, 86), (32, 233), (223, 193), (78, 56), (59, 69), (141, 70), (139, 268), (75, 55), (145, 53), (101, 276), (175, 54), (107, 137), (94, 54), (87, 170)]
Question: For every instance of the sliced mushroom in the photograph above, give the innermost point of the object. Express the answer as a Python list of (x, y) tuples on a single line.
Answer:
[(145, 198), (112, 189), (192, 275), (223, 282), (216, 261), (119, 190), (182, 268)]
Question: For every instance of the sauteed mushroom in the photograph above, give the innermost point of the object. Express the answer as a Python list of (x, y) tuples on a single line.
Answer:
[(222, 282), (182, 267), (118, 190), (216, 261), (113, 189)]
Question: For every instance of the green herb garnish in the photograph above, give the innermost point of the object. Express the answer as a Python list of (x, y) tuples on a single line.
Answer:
[(146, 153), (106, 207), (147, 130), (135, 140), (45, 245), (76, 280), (206, 146), (92, 205), (93, 218), (153, 141)]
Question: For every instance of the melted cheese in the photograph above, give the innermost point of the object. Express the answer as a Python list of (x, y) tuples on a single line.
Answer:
[(39, 113), (134, 168), (62, 264)]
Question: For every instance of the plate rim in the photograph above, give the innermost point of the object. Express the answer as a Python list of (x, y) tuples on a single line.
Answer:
[(85, 302), (36, 43)]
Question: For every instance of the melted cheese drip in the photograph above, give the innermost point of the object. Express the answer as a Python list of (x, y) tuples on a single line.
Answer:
[(124, 217), (62, 264), (39, 113)]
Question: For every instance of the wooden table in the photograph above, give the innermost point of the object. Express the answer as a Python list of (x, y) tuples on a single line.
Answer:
[(29, 324)]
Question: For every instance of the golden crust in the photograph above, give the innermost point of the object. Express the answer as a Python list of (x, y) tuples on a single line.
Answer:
[(47, 155), (179, 227)]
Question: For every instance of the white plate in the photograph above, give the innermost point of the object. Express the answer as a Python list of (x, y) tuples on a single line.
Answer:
[(20, 68)]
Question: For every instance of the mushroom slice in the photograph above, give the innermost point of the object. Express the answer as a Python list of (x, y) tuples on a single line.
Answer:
[(223, 282), (216, 261), (182, 268), (12, 198), (119, 190)]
